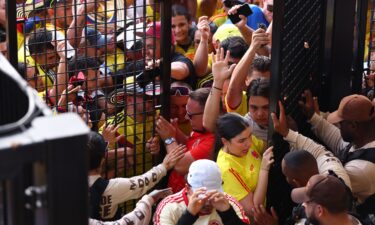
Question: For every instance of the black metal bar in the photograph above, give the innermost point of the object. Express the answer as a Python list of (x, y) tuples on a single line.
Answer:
[(275, 81), (342, 53), (64, 188), (359, 43), (12, 32), (166, 55)]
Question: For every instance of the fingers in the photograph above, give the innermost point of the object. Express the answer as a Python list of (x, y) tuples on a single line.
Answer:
[(275, 120), (226, 57), (282, 111), (273, 213), (202, 18)]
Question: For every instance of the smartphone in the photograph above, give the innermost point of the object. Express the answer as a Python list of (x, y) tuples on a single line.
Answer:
[(243, 10)]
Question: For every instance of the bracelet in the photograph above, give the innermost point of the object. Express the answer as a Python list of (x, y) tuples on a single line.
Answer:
[(220, 89)]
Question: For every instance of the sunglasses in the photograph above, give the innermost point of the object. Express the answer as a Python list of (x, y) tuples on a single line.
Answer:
[(190, 115), (179, 91)]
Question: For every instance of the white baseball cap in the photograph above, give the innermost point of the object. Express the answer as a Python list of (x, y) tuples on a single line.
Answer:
[(205, 173)]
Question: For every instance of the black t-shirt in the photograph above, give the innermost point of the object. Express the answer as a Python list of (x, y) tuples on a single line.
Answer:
[(192, 78)]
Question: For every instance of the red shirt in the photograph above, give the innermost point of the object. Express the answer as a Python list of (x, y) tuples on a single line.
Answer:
[(200, 146)]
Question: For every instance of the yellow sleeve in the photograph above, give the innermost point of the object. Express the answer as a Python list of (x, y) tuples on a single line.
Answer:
[(257, 144), (242, 108)]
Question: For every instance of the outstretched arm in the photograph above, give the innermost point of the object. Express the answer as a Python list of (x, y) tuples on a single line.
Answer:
[(234, 95)]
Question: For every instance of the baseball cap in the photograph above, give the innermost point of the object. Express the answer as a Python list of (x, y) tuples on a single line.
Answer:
[(154, 30), (226, 30), (205, 173), (326, 190), (353, 108), (95, 38), (131, 35)]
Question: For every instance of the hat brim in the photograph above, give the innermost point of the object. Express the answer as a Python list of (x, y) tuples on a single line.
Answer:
[(299, 195), (334, 117)]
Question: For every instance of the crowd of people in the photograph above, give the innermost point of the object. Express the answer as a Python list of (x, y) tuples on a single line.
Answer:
[(102, 59)]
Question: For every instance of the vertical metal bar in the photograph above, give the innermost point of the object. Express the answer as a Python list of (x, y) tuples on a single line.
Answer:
[(12, 32), (166, 55), (275, 80), (359, 43)]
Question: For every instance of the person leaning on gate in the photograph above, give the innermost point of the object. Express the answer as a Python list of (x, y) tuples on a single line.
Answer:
[(202, 201), (105, 195), (326, 200), (353, 141), (199, 144)]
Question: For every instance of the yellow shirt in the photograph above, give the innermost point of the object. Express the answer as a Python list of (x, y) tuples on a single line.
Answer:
[(115, 62), (242, 109), (240, 174), (136, 134), (189, 53)]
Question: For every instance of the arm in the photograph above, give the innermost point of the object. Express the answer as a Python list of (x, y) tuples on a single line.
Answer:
[(261, 189), (61, 76), (242, 26), (325, 159), (134, 187), (234, 95), (201, 55), (324, 130), (221, 72), (179, 70), (141, 215), (74, 33)]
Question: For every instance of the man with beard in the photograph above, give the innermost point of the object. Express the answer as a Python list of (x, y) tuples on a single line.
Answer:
[(356, 119), (326, 201)]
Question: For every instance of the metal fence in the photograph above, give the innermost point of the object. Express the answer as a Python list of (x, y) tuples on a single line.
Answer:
[(91, 57)]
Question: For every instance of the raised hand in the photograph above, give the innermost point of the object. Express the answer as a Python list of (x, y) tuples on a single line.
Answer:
[(260, 38), (280, 124), (165, 129), (153, 145), (219, 201), (242, 23), (203, 27), (197, 200), (310, 106), (174, 156), (220, 69), (110, 133), (267, 159)]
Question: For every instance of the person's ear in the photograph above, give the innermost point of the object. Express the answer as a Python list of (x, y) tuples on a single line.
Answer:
[(319, 210), (224, 141)]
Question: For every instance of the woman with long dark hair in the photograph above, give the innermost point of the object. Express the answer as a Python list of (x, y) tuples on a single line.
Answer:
[(244, 170)]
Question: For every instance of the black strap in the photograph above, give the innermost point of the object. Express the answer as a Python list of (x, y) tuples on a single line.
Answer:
[(96, 192), (367, 154)]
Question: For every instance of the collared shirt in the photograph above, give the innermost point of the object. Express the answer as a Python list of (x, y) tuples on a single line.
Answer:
[(240, 174)]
